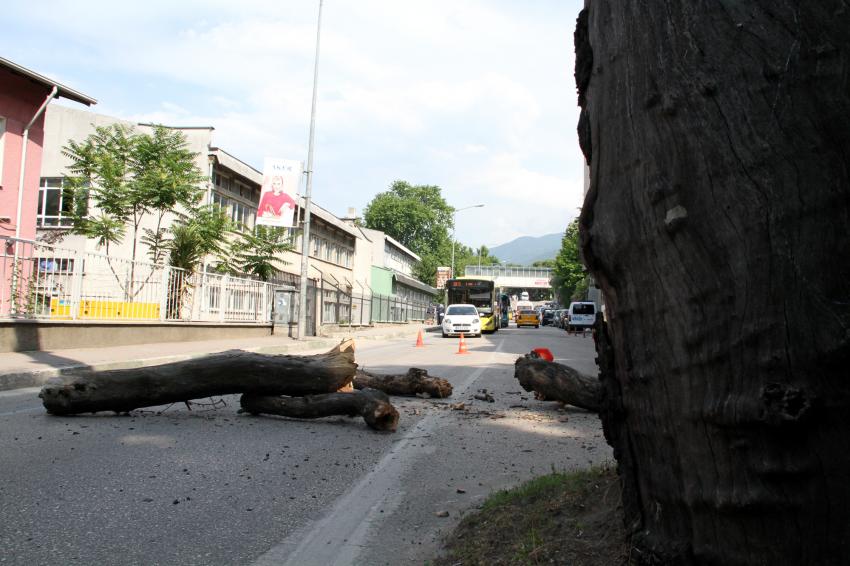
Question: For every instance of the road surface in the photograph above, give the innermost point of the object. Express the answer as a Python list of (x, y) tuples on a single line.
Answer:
[(209, 486)]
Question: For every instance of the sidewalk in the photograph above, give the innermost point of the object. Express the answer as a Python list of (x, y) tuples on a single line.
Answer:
[(32, 369)]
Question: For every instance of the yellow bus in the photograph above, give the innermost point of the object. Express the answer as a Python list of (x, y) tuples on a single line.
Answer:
[(478, 292)]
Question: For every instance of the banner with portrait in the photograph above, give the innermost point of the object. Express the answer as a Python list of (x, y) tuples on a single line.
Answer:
[(279, 194)]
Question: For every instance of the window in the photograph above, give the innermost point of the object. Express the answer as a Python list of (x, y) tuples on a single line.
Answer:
[(55, 265), (55, 204), (219, 200)]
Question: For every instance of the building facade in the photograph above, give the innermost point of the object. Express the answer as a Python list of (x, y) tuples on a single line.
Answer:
[(24, 96)]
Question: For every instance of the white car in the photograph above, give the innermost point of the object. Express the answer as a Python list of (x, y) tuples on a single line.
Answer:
[(461, 319)]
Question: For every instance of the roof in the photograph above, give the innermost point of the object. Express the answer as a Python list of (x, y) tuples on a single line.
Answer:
[(62, 90), (328, 217), (237, 165), (415, 283), (400, 246), (367, 232)]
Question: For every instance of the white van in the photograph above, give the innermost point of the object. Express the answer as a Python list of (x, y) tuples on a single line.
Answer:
[(581, 316)]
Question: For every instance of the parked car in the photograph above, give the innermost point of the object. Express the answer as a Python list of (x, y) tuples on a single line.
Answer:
[(527, 318), (561, 318), (548, 317), (461, 319), (582, 316)]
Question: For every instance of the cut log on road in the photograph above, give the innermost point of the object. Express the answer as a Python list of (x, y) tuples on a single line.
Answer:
[(226, 373), (373, 405), (558, 382), (415, 382)]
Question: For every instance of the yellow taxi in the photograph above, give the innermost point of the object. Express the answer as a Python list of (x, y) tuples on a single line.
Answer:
[(527, 318)]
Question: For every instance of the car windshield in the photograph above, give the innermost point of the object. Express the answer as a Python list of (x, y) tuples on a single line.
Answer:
[(460, 310), (527, 313)]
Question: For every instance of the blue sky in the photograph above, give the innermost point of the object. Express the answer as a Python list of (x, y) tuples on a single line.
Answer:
[(476, 96)]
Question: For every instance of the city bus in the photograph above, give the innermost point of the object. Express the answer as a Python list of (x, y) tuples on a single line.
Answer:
[(478, 292)]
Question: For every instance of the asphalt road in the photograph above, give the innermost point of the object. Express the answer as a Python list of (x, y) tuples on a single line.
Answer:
[(209, 486)]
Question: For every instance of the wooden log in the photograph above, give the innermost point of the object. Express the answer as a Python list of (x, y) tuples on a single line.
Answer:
[(373, 405), (415, 382), (217, 374), (558, 382)]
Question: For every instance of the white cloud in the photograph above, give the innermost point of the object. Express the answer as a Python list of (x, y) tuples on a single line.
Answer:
[(476, 96)]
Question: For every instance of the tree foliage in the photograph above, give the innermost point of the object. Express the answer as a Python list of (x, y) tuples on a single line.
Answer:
[(568, 276), (415, 215), (129, 176), (258, 253), (420, 218)]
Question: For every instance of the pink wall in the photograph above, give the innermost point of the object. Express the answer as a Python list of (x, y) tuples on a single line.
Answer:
[(20, 98)]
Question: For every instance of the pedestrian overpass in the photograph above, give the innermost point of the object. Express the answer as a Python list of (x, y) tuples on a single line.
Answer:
[(514, 280)]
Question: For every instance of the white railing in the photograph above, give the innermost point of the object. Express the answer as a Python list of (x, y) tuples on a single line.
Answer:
[(505, 271), (45, 282)]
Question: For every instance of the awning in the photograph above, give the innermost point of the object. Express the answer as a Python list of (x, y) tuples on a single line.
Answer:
[(411, 282)]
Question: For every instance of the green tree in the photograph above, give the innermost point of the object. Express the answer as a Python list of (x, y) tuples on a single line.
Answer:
[(544, 263), (258, 252), (568, 276), (415, 215), (418, 217), (195, 237), (129, 177)]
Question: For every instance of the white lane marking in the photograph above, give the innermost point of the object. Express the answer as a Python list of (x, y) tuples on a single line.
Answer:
[(337, 539)]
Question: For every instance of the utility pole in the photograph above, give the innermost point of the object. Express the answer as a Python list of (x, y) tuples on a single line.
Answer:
[(305, 238)]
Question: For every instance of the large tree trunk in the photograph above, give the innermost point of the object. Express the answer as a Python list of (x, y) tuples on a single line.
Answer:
[(218, 374), (373, 405), (718, 136), (557, 382), (415, 382)]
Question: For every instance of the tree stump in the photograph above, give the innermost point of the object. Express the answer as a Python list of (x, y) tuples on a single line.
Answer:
[(415, 382), (218, 374), (373, 405), (558, 382)]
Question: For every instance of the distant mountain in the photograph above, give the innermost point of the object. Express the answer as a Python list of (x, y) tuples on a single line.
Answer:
[(527, 249)]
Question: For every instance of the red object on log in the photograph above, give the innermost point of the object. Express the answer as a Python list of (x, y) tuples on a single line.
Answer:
[(544, 353)]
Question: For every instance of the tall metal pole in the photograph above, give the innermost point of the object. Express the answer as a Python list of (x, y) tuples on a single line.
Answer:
[(305, 239), (454, 221)]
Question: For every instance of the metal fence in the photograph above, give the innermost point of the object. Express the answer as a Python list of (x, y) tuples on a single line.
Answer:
[(46, 282), (360, 309), (41, 281)]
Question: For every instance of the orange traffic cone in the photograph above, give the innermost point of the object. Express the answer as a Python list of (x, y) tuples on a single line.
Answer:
[(461, 347), (419, 342)]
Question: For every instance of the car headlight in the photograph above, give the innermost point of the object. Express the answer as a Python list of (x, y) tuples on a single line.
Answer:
[(446, 321), (475, 321)]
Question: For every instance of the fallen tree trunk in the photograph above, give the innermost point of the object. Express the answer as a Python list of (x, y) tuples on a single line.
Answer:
[(373, 405), (415, 382), (558, 382), (218, 374)]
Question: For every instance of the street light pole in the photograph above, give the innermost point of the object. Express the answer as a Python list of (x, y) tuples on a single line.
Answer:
[(305, 236), (454, 222)]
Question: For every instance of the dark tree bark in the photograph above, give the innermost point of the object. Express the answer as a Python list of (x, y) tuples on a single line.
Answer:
[(716, 224), (373, 405), (218, 374), (556, 382), (415, 382)]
